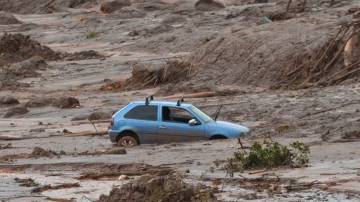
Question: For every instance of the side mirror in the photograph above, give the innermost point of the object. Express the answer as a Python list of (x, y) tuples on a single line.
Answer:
[(193, 122)]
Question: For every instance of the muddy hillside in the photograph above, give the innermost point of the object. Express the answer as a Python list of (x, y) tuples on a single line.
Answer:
[(288, 70)]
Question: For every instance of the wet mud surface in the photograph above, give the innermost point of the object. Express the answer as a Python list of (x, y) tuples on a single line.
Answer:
[(54, 110)]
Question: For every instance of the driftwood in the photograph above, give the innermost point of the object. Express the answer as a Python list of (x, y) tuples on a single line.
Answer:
[(92, 122), (86, 133)]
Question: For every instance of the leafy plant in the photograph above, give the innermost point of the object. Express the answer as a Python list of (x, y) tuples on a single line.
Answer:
[(269, 155), (91, 35)]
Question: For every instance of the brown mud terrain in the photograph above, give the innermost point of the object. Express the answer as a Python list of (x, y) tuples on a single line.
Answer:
[(287, 69)]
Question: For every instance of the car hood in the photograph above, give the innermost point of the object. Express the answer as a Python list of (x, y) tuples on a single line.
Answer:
[(227, 128)]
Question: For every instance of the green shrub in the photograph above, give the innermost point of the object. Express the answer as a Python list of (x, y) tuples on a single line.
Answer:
[(269, 155), (91, 35)]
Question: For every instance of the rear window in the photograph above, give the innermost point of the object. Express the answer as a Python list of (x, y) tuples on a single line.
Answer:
[(143, 112)]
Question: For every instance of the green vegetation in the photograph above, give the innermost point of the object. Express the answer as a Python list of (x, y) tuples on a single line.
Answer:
[(91, 35), (269, 155)]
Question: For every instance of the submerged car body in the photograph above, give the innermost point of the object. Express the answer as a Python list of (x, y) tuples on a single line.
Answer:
[(163, 122)]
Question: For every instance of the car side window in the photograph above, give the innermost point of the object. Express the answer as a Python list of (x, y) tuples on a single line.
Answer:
[(176, 115), (143, 112)]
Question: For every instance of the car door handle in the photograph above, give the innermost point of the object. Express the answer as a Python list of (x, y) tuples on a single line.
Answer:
[(162, 127)]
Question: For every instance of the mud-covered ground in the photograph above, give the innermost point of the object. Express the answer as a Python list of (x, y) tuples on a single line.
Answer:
[(46, 154)]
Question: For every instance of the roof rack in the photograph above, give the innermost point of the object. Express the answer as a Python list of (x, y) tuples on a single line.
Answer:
[(180, 101), (148, 99)]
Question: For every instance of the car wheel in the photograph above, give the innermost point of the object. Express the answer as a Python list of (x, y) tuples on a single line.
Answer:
[(127, 141)]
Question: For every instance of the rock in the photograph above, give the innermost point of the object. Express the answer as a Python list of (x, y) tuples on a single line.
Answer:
[(111, 6), (134, 33), (123, 177), (208, 5), (66, 103), (39, 102), (16, 111), (99, 116), (115, 151), (8, 100), (66, 131), (8, 19)]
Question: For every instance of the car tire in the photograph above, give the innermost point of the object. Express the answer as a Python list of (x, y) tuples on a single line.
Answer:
[(127, 141)]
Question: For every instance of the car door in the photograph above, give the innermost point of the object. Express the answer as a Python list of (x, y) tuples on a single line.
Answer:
[(174, 125), (143, 120)]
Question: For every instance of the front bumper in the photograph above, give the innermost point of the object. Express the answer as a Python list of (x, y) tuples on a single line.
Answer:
[(113, 135)]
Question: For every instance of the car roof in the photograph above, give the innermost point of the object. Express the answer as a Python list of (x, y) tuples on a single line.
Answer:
[(166, 103)]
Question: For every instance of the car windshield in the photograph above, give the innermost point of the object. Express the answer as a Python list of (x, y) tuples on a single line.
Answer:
[(201, 114)]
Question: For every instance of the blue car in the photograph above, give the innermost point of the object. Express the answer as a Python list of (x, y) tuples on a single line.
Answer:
[(163, 122)]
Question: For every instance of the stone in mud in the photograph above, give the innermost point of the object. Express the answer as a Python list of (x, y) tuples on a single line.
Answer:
[(208, 5), (8, 100), (16, 111), (66, 103), (114, 5)]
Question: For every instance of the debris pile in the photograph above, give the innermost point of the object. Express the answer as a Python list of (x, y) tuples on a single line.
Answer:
[(113, 171), (162, 188), (16, 111), (18, 47), (40, 152), (8, 100), (10, 73), (55, 187), (27, 182), (144, 76), (8, 19), (43, 6), (288, 54)]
